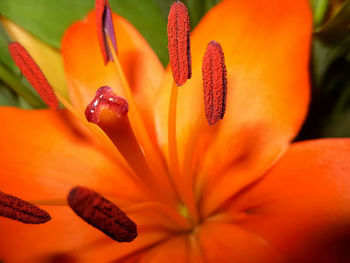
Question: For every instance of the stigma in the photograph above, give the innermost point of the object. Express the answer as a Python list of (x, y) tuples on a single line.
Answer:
[(106, 105)]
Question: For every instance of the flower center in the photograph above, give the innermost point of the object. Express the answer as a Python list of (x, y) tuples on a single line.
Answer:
[(166, 187)]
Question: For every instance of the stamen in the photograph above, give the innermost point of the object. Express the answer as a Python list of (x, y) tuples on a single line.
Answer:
[(179, 43), (20, 210), (180, 62), (214, 82), (33, 74), (105, 27), (102, 214)]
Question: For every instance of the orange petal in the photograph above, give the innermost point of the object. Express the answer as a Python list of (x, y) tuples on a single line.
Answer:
[(44, 154), (266, 50), (86, 71), (174, 250), (227, 243), (302, 206), (66, 238)]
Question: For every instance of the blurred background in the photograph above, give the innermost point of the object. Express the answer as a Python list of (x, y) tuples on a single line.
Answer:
[(329, 113)]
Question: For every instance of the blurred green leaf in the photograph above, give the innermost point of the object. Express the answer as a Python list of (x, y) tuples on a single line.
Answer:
[(9, 98), (5, 57), (330, 103), (336, 28), (319, 8), (45, 19), (329, 112), (325, 55)]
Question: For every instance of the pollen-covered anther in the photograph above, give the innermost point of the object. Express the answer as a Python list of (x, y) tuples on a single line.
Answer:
[(105, 28), (106, 107), (214, 82), (102, 214), (33, 74), (17, 209), (179, 43)]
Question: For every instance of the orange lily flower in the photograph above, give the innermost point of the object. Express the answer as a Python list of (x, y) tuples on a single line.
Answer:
[(237, 191)]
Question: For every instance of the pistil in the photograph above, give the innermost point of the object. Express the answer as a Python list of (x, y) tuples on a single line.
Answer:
[(149, 149), (110, 113)]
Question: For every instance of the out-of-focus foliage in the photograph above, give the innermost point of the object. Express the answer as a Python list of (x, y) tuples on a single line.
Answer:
[(329, 114)]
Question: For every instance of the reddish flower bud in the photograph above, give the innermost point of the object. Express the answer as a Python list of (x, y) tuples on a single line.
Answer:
[(20, 210), (104, 23), (33, 74), (102, 214), (214, 83), (179, 43)]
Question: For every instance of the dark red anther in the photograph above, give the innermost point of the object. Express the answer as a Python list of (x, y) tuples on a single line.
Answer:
[(20, 210), (33, 74), (104, 23), (179, 43), (106, 99), (102, 214), (214, 82)]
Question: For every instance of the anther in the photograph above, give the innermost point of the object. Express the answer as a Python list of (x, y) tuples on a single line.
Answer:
[(214, 82), (102, 214), (20, 210), (179, 43), (104, 23), (33, 74)]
